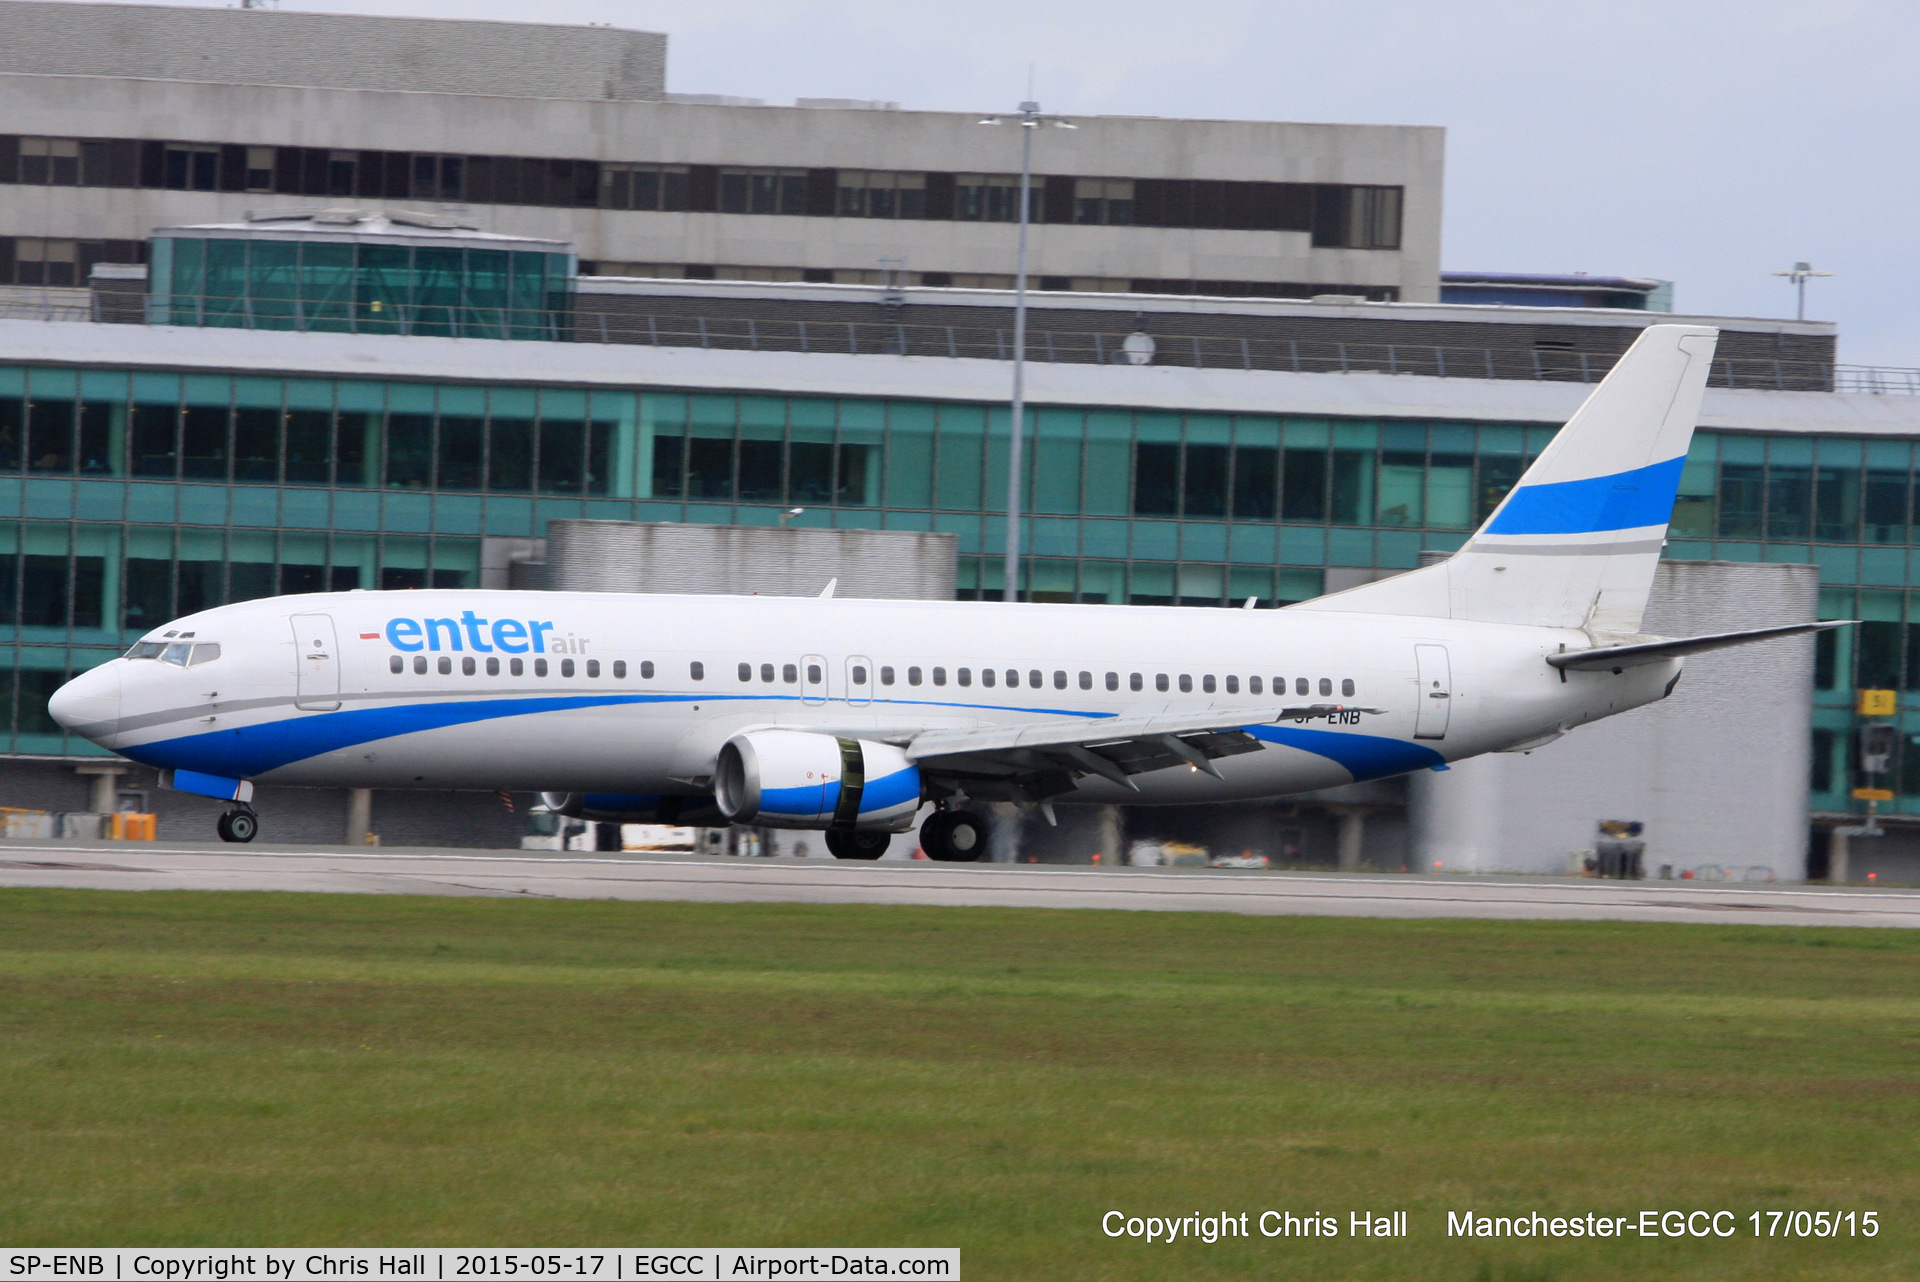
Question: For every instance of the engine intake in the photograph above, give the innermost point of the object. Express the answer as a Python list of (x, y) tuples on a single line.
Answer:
[(798, 779)]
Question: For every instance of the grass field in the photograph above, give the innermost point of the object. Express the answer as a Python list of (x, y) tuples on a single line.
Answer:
[(225, 1069)]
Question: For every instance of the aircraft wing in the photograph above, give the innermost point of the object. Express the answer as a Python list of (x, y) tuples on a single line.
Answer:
[(1616, 657), (1039, 759)]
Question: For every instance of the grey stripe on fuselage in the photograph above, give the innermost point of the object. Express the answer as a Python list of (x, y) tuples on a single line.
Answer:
[(1565, 549)]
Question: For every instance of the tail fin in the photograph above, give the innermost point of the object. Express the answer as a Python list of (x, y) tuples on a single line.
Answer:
[(1575, 543)]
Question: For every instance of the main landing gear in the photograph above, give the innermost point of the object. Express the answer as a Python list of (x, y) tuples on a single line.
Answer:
[(238, 825), (857, 844), (953, 836)]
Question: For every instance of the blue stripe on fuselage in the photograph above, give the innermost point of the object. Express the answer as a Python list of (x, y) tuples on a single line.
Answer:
[(1623, 501), (1364, 756)]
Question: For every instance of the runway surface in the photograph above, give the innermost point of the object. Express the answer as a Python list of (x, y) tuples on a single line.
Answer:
[(541, 874)]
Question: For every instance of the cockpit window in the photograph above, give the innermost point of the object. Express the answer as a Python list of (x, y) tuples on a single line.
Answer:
[(147, 650), (204, 652), (178, 653)]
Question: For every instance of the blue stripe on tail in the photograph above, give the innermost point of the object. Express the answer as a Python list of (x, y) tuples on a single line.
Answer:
[(1623, 501)]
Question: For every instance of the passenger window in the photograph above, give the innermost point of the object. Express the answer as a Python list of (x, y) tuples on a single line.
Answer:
[(789, 674), (1133, 682), (1013, 678), (1060, 679), (939, 676), (493, 667), (1034, 679), (446, 666), (1326, 685), (1113, 680), (886, 676), (619, 669), (420, 664), (986, 677), (1206, 684), (205, 652), (1299, 685), (566, 667), (913, 676), (766, 672), (539, 667), (593, 667), (1233, 685), (646, 669), (1186, 684), (396, 664), (467, 666), (1086, 680), (813, 674), (1253, 684), (746, 672), (697, 670), (964, 676), (1346, 686), (859, 675), (516, 667)]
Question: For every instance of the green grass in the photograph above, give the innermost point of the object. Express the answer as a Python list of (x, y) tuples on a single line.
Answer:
[(181, 1069)]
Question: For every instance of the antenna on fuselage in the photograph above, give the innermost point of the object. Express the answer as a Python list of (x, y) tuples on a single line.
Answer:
[(828, 590)]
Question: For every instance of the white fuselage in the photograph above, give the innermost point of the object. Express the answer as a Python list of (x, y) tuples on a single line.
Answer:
[(637, 694)]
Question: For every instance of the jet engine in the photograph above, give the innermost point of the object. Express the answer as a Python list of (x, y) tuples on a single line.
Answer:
[(635, 808), (797, 779)]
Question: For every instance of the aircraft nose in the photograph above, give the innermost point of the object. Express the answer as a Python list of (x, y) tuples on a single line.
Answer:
[(89, 705)]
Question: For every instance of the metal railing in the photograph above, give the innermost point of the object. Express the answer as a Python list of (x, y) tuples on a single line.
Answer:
[(866, 337)]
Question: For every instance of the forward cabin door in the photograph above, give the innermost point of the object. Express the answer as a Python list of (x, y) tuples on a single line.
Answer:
[(319, 660), (1436, 692)]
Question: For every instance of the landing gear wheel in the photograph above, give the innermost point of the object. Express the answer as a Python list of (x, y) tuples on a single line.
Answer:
[(238, 825), (953, 837), (857, 845)]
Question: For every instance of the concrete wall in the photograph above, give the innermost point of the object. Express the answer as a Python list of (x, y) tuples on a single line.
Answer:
[(737, 560), (1718, 771), (592, 127), (348, 51)]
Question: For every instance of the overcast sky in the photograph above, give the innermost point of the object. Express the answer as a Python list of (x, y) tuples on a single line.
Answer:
[(1708, 143)]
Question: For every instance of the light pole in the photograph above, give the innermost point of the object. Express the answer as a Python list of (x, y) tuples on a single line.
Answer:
[(1029, 119), (1799, 275)]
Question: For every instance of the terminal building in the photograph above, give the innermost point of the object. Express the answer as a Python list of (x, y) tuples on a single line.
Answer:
[(286, 376)]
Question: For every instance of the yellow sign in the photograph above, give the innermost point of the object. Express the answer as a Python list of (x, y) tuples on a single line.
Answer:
[(1872, 794), (1879, 703)]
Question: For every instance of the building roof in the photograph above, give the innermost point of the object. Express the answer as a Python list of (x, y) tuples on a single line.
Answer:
[(331, 50), (349, 225)]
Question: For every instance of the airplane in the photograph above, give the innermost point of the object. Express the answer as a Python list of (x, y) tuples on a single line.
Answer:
[(855, 716)]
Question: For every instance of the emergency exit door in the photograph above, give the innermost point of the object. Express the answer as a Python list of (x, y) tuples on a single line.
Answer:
[(318, 657), (1436, 692)]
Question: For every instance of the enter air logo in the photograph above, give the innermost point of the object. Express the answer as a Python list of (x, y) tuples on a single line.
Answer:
[(509, 636)]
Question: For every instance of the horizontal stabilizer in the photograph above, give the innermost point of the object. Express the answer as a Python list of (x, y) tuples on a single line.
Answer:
[(1615, 657)]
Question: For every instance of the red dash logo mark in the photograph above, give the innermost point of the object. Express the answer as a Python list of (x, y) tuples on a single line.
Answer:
[(369, 636)]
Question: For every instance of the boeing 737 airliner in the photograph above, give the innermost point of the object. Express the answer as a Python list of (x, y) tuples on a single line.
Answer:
[(854, 716)]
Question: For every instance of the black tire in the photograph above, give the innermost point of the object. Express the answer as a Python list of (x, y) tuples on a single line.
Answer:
[(857, 844), (953, 837), (238, 825)]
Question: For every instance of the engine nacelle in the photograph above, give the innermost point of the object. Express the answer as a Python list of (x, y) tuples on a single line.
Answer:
[(797, 779), (636, 808)]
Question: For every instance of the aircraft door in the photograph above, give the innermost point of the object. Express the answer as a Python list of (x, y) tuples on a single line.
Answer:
[(859, 679), (813, 679), (1436, 692), (318, 682)]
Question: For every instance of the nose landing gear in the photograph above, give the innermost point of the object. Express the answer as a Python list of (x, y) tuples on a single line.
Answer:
[(238, 826)]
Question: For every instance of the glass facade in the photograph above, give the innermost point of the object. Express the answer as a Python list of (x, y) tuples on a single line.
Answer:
[(362, 287), (130, 497)]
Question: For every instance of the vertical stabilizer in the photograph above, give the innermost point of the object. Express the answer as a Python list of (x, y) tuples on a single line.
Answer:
[(1575, 543)]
